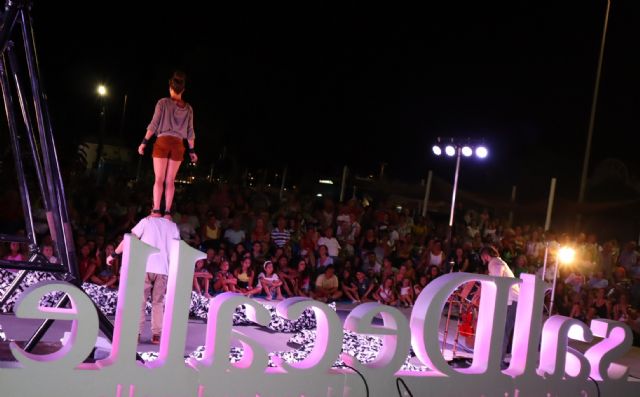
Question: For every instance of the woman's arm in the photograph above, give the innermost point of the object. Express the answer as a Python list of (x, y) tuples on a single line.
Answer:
[(192, 147)]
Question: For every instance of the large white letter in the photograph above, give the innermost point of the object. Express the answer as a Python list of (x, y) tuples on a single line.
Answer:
[(617, 342), (177, 302), (395, 337), (130, 293), (557, 359), (528, 327), (427, 312), (84, 328), (328, 343)]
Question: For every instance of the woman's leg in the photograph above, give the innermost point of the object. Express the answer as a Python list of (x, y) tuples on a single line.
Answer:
[(160, 171), (169, 189)]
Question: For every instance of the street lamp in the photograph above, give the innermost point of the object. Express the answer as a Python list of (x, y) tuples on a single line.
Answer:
[(463, 148), (565, 255), (102, 93)]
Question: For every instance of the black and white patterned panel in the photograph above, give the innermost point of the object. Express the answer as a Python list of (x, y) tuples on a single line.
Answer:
[(106, 299)]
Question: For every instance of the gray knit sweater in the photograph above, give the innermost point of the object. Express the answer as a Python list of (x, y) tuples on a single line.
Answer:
[(170, 119)]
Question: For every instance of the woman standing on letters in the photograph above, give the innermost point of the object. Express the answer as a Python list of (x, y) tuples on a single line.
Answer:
[(172, 122)]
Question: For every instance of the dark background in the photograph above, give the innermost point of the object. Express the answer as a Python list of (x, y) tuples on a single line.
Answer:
[(317, 85)]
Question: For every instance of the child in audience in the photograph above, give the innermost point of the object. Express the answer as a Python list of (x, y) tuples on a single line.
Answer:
[(245, 276), (270, 282), (385, 293), (406, 292), (417, 289), (364, 286), (201, 278), (224, 280)]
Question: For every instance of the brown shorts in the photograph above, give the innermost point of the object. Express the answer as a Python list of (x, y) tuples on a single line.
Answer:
[(170, 147)]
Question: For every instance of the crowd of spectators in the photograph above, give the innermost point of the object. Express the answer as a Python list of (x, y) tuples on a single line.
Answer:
[(259, 245)]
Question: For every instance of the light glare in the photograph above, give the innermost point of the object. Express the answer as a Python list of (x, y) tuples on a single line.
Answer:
[(436, 150), (450, 150), (102, 90), (481, 152), (466, 151), (566, 255)]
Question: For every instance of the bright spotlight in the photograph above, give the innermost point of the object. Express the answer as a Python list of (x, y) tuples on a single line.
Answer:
[(450, 151), (466, 151), (319, 195), (481, 152), (102, 90), (566, 255), (326, 181), (436, 150)]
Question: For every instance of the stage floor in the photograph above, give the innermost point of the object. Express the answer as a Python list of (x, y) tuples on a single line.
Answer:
[(21, 329)]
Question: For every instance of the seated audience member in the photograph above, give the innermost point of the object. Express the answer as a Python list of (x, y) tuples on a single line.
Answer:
[(245, 275), (324, 260), (598, 281), (332, 244), (601, 306), (105, 274), (86, 263), (286, 275), (364, 286), (419, 286), (47, 251), (349, 289), (406, 293), (224, 280), (270, 282), (302, 280), (385, 294), (327, 286), (202, 278)]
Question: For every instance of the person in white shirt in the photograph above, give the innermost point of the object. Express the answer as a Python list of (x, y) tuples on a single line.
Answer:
[(499, 268), (158, 233), (330, 242)]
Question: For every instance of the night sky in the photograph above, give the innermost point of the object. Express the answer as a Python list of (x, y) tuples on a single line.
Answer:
[(317, 85)]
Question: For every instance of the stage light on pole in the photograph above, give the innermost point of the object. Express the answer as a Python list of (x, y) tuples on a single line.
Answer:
[(458, 150), (102, 90), (566, 255), (450, 150), (481, 152)]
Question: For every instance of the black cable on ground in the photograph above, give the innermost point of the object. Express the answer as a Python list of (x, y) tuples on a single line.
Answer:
[(366, 385), (400, 380), (597, 387)]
